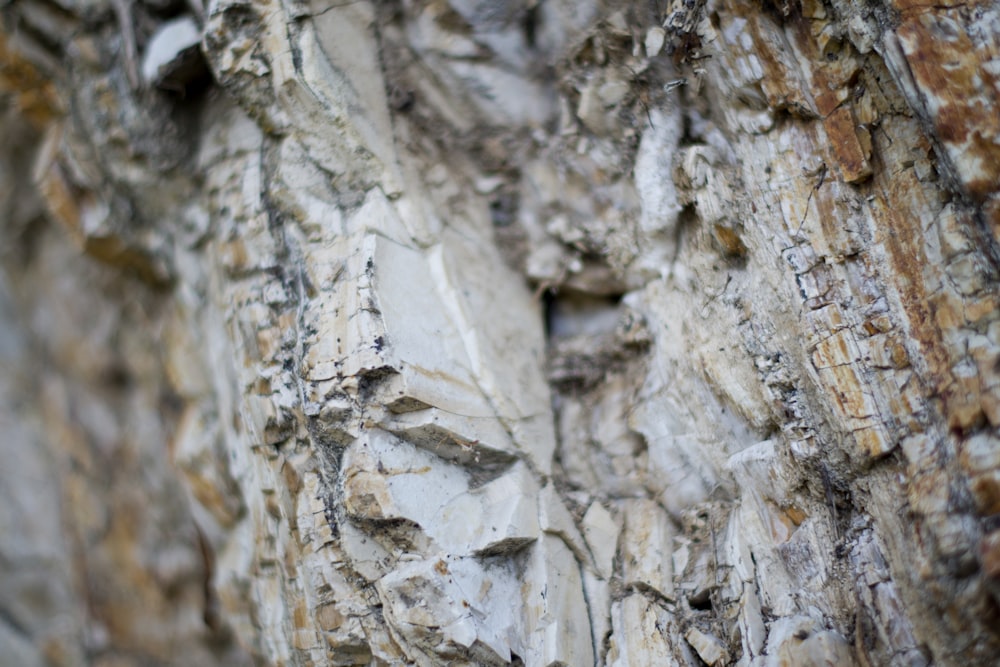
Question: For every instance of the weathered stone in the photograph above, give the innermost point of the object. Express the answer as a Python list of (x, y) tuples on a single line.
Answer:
[(637, 635), (647, 547), (173, 55), (601, 532), (732, 255), (709, 649)]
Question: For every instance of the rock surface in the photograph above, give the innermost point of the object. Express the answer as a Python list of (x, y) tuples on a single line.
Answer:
[(475, 333)]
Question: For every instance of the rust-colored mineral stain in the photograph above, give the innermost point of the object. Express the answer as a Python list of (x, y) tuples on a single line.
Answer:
[(847, 389), (877, 324), (986, 493), (979, 309), (927, 315), (300, 615), (989, 554), (329, 618), (115, 251), (796, 514), (780, 523), (961, 403), (61, 199), (781, 87), (441, 567), (292, 478), (729, 239), (34, 96), (948, 311), (897, 353), (908, 7), (849, 154), (873, 442), (990, 403), (830, 68), (833, 351), (960, 94)]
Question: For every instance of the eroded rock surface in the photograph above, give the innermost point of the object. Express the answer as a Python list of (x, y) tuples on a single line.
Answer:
[(503, 333)]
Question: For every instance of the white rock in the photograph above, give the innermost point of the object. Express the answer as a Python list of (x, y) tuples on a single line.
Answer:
[(647, 546), (556, 618), (709, 649), (800, 640), (170, 39), (544, 262), (758, 467), (387, 479), (678, 465), (339, 76), (484, 185), (473, 280), (753, 632), (598, 592), (506, 97), (555, 519), (601, 532), (637, 636), (575, 448), (612, 92), (367, 557), (653, 170), (509, 512), (655, 38), (422, 339), (445, 604), (590, 110)]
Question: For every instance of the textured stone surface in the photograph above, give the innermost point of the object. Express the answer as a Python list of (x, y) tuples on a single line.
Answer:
[(475, 333)]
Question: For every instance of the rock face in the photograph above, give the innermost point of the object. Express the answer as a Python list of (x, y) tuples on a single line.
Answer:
[(486, 333)]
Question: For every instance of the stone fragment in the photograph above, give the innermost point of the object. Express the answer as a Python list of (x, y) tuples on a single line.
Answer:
[(555, 613), (471, 441), (386, 480), (637, 635), (471, 276), (677, 469), (709, 649), (612, 91), (694, 565), (647, 547), (653, 166), (601, 532), (758, 467), (798, 641), (598, 593), (590, 111), (850, 153), (655, 38), (173, 55), (446, 605), (953, 91), (753, 631), (509, 511), (556, 520)]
